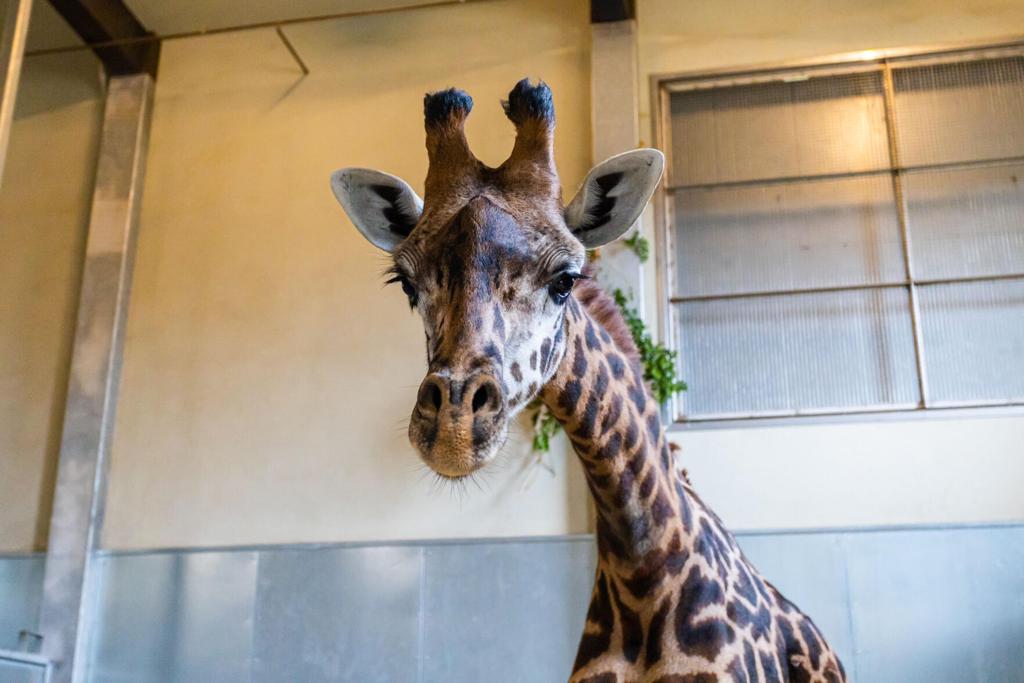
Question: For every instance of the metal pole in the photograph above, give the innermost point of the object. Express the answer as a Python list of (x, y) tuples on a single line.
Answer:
[(889, 92), (80, 492), (12, 49)]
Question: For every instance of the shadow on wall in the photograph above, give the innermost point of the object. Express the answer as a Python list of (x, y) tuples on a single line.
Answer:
[(50, 82)]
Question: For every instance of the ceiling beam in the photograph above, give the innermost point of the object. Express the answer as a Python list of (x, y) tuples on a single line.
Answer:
[(103, 21), (604, 11)]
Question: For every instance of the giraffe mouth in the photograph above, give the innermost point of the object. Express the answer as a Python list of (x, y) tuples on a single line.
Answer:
[(455, 453)]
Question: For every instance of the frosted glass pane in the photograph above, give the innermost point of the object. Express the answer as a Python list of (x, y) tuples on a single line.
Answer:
[(960, 112), (799, 353), (966, 222), (974, 340), (832, 124), (787, 236)]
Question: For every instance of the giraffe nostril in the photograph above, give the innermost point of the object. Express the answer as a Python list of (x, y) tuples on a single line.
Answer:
[(430, 396), (486, 397), (480, 398)]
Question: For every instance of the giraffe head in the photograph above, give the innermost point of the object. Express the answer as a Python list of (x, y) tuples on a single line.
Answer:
[(488, 259)]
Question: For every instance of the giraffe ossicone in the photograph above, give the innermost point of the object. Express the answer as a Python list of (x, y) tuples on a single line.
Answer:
[(493, 262)]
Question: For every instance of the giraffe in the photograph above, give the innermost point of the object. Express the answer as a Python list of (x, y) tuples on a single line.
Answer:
[(494, 264)]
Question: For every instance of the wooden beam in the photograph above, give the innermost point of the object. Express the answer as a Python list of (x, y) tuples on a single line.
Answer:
[(102, 21), (604, 11)]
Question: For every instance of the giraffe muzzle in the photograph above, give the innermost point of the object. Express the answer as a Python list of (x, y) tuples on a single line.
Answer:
[(458, 423)]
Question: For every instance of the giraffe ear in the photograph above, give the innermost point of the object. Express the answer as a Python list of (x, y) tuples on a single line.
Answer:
[(382, 207), (613, 196)]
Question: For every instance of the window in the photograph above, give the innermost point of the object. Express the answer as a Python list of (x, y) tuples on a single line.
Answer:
[(847, 238)]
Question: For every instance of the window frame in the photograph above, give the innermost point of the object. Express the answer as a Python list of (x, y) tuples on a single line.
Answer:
[(664, 85)]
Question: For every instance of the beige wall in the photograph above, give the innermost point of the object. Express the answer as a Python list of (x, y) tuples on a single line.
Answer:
[(268, 375), (862, 472), (44, 208)]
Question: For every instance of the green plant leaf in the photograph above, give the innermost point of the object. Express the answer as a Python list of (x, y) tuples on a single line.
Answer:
[(638, 243)]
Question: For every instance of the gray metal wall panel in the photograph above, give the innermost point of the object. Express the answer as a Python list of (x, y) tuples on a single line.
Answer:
[(13, 672), (505, 612), (21, 589), (944, 606), (174, 618), (338, 614), (910, 605)]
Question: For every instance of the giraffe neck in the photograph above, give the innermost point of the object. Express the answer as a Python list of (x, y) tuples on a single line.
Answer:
[(601, 400), (673, 593)]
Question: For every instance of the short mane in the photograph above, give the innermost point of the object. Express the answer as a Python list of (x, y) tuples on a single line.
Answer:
[(606, 313)]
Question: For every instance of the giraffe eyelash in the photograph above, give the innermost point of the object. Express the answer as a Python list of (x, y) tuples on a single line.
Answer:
[(399, 276), (394, 273)]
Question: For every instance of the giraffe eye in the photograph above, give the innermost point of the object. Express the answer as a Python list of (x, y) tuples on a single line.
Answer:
[(560, 287), (409, 291), (407, 287)]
